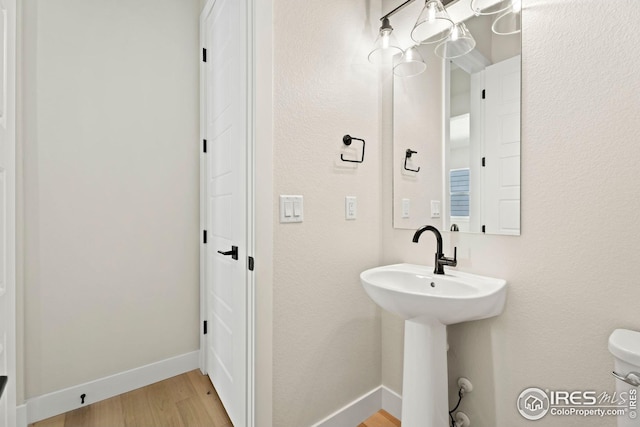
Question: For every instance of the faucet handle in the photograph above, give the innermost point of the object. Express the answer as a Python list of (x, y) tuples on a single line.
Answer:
[(452, 262)]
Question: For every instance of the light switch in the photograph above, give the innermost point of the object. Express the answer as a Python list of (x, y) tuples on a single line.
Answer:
[(435, 209), (350, 207), (291, 209), (406, 206)]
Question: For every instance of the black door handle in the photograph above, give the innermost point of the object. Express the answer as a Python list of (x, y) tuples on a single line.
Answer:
[(233, 252), (3, 384)]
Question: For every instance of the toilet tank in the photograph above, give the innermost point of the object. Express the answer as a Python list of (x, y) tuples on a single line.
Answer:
[(624, 345)]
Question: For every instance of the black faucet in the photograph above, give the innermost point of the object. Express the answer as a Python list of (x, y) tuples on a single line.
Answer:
[(440, 260)]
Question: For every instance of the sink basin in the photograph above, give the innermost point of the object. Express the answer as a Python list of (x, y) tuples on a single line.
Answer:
[(414, 292), (427, 302)]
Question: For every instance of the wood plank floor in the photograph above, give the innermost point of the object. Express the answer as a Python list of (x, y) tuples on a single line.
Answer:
[(381, 419), (188, 400)]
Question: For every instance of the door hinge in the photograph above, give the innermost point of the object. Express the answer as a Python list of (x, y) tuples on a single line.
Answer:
[(484, 162), (204, 236), (204, 54), (484, 228), (204, 327), (204, 145), (484, 93), (250, 263)]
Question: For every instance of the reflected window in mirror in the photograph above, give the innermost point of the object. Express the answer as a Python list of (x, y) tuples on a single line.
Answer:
[(459, 198)]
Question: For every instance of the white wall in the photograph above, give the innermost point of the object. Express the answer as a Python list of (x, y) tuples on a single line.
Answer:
[(326, 332), (111, 187), (573, 272)]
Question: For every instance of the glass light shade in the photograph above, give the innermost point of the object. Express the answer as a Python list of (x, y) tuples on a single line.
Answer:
[(507, 23), (385, 47), (433, 24), (460, 42), (411, 63), (491, 7)]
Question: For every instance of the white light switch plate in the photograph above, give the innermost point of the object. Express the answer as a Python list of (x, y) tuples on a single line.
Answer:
[(291, 209)]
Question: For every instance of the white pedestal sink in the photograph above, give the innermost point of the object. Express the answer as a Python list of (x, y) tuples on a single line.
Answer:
[(428, 302)]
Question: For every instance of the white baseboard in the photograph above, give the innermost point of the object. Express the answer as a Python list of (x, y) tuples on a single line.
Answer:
[(355, 412), (68, 399), (363, 407), (392, 402), (21, 416)]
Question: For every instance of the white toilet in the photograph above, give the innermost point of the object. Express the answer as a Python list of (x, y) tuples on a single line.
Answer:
[(625, 347)]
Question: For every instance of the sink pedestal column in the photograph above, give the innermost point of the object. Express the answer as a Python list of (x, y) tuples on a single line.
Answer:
[(425, 384)]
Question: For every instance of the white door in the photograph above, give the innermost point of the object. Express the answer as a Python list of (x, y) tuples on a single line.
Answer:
[(7, 211), (501, 180), (225, 127)]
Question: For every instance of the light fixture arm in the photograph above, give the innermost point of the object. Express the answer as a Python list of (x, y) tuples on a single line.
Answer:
[(402, 6), (406, 3)]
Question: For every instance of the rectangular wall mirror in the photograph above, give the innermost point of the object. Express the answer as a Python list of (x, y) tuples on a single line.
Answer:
[(457, 135)]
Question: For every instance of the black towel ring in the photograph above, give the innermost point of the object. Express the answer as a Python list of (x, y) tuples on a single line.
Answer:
[(347, 141), (407, 156)]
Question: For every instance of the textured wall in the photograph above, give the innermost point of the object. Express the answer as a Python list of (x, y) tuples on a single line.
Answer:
[(111, 187), (573, 273), (326, 331)]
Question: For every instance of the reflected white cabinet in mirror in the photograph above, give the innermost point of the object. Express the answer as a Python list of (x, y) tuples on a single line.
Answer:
[(461, 117)]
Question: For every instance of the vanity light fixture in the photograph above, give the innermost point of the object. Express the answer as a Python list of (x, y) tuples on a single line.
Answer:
[(385, 46), (460, 42), (509, 21), (411, 63), (433, 24), (490, 7)]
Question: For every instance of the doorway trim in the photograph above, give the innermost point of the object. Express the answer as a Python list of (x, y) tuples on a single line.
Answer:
[(8, 121)]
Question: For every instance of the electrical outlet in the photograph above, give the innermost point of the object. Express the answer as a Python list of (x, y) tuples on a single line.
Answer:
[(350, 207), (406, 207), (435, 209)]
